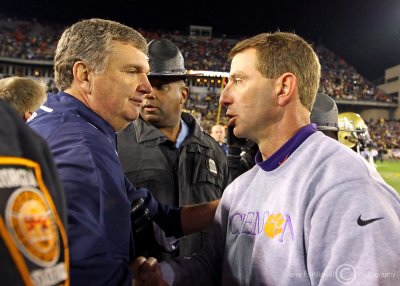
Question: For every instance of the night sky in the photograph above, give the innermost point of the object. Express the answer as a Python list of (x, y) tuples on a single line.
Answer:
[(365, 33)]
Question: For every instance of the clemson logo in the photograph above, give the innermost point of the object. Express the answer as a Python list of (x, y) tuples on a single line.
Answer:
[(273, 226)]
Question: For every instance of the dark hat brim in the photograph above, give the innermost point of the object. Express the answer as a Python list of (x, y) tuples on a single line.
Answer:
[(160, 74), (165, 79)]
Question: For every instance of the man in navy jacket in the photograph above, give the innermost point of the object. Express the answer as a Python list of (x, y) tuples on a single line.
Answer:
[(100, 68)]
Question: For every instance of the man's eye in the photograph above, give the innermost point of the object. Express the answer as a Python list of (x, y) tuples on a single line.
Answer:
[(162, 87), (236, 80)]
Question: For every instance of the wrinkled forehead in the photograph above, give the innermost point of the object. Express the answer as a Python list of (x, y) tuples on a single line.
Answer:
[(127, 56)]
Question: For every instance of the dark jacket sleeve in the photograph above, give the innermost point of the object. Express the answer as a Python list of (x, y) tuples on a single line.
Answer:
[(20, 144)]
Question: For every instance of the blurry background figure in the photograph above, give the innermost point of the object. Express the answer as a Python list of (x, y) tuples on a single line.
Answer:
[(25, 95), (218, 133), (353, 132), (33, 215), (325, 115)]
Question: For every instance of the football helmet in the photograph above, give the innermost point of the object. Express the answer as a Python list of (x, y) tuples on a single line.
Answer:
[(352, 130)]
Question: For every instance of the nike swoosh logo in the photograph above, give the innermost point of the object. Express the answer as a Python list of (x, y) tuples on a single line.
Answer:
[(362, 222)]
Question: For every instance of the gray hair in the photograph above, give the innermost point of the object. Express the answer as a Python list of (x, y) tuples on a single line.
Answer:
[(89, 41)]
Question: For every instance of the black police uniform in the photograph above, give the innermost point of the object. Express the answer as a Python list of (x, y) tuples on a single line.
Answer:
[(33, 245), (196, 173)]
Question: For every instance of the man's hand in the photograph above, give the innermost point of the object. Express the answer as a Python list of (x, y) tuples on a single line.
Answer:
[(143, 210), (147, 272)]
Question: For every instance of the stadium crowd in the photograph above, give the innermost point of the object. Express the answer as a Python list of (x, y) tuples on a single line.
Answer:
[(385, 137), (35, 40), (342, 81), (28, 39)]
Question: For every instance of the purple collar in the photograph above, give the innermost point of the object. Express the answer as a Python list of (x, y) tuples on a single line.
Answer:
[(280, 156)]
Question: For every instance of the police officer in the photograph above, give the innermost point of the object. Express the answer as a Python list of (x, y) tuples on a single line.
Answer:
[(33, 240), (166, 151)]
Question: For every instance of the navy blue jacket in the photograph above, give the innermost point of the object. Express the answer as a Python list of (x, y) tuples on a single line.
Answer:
[(98, 194)]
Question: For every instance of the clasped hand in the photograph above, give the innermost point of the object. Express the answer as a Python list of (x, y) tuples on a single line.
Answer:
[(147, 272)]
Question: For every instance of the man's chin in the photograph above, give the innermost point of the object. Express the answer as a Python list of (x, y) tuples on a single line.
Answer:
[(132, 117), (151, 118)]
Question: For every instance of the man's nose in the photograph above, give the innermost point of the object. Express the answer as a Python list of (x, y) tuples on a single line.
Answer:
[(145, 86), (225, 98), (150, 95)]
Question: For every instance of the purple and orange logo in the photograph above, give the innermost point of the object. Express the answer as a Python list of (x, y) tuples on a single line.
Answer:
[(271, 225)]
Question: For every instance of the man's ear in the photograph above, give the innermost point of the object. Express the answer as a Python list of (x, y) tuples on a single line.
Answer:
[(81, 74), (286, 87), (26, 115), (184, 94)]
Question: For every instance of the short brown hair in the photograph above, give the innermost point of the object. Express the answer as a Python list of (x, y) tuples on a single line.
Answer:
[(23, 94), (282, 52)]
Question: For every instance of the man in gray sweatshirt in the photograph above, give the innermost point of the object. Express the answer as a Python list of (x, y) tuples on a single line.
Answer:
[(311, 211)]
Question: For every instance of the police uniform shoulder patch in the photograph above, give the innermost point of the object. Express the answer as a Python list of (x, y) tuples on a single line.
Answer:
[(31, 223), (32, 228), (212, 166)]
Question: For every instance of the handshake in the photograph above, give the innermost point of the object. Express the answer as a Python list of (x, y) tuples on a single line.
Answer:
[(147, 272), (175, 222)]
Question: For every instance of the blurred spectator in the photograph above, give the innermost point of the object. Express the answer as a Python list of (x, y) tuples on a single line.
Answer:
[(218, 133), (25, 95)]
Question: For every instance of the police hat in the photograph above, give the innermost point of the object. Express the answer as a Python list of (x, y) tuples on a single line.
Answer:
[(325, 113), (165, 59)]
